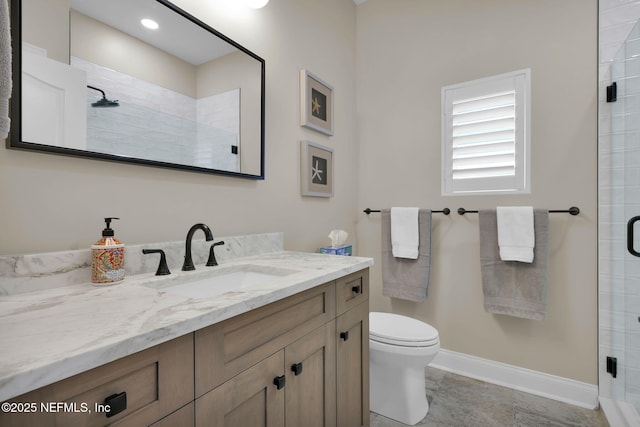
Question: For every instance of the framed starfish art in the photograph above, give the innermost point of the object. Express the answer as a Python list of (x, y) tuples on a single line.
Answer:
[(316, 103), (316, 168)]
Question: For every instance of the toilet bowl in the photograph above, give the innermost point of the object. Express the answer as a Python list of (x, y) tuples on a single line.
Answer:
[(399, 349)]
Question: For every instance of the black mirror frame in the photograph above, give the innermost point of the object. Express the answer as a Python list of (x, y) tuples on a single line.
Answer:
[(14, 141)]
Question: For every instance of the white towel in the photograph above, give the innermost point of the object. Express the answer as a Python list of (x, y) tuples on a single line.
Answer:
[(516, 236), (405, 237), (5, 69)]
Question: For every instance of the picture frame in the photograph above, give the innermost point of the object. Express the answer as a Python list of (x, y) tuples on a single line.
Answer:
[(316, 103), (316, 170)]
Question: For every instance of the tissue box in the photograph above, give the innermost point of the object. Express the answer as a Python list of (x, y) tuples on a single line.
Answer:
[(340, 250)]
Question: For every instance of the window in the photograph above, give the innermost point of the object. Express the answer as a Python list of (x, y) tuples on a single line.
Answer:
[(485, 135)]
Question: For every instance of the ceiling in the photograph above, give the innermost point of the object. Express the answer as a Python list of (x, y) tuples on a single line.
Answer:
[(176, 35)]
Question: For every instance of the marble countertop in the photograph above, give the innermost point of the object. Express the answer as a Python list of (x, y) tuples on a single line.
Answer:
[(56, 333)]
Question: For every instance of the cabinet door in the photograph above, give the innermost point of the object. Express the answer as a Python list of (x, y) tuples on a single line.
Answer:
[(225, 349), (353, 366), (311, 379), (248, 399)]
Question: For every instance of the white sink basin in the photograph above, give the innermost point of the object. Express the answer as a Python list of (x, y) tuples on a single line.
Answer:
[(221, 281)]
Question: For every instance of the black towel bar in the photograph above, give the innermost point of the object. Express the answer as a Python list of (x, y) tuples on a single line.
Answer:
[(445, 211), (572, 210)]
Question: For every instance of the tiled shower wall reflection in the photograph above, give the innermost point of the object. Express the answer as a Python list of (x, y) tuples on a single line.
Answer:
[(160, 124), (619, 198)]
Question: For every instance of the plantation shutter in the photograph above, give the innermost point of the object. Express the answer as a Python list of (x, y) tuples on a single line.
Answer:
[(485, 147)]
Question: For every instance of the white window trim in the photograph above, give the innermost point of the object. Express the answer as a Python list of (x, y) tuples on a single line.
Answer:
[(520, 183)]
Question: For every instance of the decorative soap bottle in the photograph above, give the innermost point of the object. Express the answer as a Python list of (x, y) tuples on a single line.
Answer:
[(107, 257)]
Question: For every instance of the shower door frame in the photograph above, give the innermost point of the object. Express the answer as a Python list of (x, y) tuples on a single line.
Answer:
[(619, 267)]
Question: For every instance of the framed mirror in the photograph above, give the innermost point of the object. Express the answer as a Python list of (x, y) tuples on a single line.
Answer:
[(137, 81)]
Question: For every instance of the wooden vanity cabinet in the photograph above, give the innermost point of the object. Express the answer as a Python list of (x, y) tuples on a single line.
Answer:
[(225, 349), (352, 361), (310, 371), (352, 349), (293, 387), (157, 382), (300, 361), (248, 399), (352, 290), (291, 363), (293, 343)]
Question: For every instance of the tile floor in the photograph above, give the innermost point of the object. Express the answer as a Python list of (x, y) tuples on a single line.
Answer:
[(464, 402)]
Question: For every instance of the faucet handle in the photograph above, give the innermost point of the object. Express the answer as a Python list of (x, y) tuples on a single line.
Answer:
[(163, 269), (212, 262)]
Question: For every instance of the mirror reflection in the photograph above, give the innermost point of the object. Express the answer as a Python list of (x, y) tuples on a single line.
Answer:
[(139, 80)]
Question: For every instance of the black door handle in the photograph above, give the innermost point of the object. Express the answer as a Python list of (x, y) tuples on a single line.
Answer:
[(344, 335), (356, 289), (630, 224)]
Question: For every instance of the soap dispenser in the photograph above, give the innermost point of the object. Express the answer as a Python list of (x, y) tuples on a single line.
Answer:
[(107, 257)]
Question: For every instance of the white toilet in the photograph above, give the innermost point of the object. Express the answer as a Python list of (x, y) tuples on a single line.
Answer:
[(399, 349)]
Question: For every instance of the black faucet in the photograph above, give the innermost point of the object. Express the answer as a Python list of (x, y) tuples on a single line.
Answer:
[(188, 261)]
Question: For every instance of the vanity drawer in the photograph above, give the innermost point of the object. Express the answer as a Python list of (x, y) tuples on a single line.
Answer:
[(156, 381), (351, 290), (225, 349)]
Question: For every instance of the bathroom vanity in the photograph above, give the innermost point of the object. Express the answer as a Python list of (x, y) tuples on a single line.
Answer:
[(290, 351)]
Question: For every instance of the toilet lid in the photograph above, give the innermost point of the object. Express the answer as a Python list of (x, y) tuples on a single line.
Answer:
[(396, 329)]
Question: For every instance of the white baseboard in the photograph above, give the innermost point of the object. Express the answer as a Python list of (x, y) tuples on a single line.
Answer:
[(553, 387)]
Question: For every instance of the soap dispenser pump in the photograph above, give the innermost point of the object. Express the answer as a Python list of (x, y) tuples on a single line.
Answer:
[(107, 256)]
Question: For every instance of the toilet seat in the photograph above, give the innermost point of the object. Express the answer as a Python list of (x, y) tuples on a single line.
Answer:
[(395, 329)]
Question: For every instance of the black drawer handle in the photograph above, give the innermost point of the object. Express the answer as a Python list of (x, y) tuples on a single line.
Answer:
[(344, 335), (279, 382), (115, 403), (296, 368), (357, 289)]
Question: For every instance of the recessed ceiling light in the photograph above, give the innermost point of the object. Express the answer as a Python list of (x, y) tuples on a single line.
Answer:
[(256, 4), (149, 23)]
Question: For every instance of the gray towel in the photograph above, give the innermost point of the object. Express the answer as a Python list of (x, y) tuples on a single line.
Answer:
[(5, 68), (401, 277), (511, 287)]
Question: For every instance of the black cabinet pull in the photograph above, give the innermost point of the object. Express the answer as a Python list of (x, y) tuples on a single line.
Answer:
[(115, 403), (356, 289), (279, 382), (296, 368), (344, 335)]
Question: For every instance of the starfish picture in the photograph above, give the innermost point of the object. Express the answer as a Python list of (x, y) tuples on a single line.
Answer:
[(315, 106), (316, 172), (318, 104)]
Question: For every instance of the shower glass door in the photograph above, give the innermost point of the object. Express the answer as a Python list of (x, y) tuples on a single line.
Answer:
[(624, 211)]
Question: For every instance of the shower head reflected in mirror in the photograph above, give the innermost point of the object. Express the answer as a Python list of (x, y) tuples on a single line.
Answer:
[(104, 102)]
